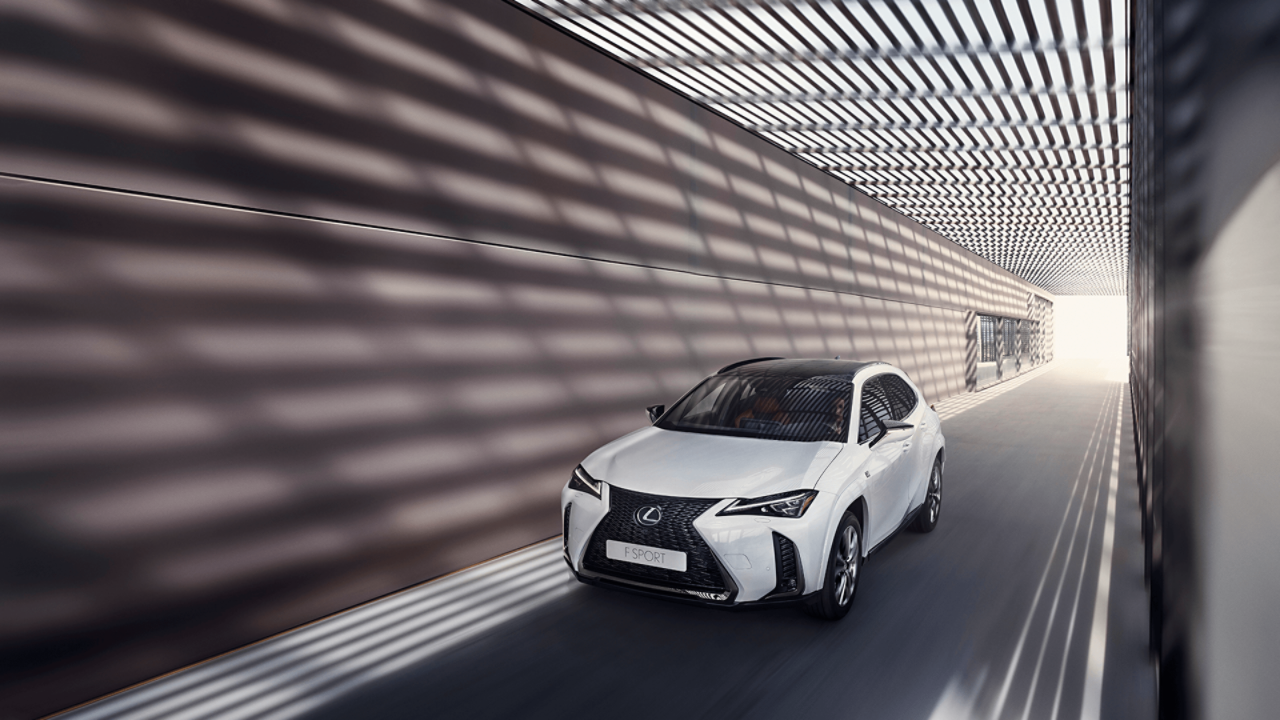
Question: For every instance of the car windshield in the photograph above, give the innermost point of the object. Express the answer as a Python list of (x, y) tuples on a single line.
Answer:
[(772, 407)]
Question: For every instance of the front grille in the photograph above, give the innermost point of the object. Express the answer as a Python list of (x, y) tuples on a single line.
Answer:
[(784, 553), (674, 532)]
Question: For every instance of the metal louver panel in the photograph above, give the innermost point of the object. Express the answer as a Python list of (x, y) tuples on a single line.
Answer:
[(975, 102)]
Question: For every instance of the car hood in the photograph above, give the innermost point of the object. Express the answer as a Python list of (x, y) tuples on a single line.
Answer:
[(684, 464)]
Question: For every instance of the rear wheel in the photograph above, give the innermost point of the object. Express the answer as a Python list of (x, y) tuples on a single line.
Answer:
[(927, 520), (844, 565)]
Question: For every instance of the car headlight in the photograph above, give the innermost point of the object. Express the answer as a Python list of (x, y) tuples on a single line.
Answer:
[(787, 504), (582, 482)]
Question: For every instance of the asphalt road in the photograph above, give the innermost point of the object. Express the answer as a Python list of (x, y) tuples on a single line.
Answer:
[(990, 616)]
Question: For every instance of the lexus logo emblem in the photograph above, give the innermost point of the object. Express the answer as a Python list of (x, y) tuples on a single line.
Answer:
[(649, 515)]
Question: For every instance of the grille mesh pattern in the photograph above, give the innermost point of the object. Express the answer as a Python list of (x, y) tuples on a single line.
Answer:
[(674, 532)]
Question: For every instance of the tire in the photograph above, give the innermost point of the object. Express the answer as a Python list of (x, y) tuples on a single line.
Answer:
[(844, 567), (927, 520)]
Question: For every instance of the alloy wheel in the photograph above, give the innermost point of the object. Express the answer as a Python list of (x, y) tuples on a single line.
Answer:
[(846, 571), (935, 494)]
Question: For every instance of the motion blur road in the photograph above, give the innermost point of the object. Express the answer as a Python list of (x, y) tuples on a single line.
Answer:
[(991, 616)]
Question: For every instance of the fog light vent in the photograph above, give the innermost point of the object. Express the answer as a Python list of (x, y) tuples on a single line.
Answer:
[(564, 539), (717, 597), (788, 566)]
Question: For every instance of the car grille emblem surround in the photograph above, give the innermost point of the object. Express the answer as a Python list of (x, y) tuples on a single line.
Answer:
[(648, 515)]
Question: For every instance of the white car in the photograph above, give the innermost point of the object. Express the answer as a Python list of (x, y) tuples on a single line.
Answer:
[(756, 487)]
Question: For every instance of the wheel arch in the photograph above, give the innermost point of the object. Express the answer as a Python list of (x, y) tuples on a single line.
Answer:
[(859, 509)]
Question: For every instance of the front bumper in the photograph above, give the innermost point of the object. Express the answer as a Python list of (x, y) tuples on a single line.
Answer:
[(750, 553)]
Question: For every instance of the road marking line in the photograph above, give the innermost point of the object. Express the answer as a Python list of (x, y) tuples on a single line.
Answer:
[(1089, 489), (1035, 602), (1092, 708), (1075, 603)]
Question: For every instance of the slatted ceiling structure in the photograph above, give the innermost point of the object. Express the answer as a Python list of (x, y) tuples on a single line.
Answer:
[(1002, 124)]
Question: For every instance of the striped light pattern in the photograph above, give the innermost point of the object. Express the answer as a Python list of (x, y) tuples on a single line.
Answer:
[(1002, 124)]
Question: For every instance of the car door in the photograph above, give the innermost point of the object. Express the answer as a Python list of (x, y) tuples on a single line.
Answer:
[(886, 492), (906, 406)]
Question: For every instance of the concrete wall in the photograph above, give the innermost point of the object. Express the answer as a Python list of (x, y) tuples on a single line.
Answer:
[(1205, 306), (302, 303)]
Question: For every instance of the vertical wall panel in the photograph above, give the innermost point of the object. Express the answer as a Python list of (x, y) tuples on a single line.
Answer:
[(1203, 313)]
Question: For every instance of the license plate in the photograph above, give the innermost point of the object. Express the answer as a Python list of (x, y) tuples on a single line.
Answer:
[(645, 555)]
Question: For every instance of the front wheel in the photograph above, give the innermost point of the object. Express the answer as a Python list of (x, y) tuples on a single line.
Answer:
[(844, 564), (927, 520)]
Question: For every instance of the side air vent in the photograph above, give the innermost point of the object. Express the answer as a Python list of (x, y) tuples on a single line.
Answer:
[(564, 539), (788, 567)]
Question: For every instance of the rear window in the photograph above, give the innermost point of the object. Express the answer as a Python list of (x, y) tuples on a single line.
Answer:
[(902, 398), (875, 408), (771, 407)]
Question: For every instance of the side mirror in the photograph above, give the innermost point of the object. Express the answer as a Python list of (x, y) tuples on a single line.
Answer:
[(655, 412), (881, 431), (887, 427)]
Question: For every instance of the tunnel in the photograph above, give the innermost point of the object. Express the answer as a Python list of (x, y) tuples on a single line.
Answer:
[(323, 323)]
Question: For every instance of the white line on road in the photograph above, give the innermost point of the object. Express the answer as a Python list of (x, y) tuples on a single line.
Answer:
[(1092, 709), (1093, 446), (1075, 603), (1066, 568)]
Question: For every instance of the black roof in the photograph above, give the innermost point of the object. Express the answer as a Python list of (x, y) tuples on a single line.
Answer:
[(799, 367)]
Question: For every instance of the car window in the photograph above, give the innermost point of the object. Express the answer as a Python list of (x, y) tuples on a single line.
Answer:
[(875, 405), (708, 402), (772, 407), (902, 399)]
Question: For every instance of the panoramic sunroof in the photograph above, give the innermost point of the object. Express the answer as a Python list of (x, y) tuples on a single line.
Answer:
[(1002, 124)]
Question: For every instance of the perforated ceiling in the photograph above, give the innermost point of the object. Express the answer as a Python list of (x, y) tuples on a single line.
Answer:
[(1002, 124)]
